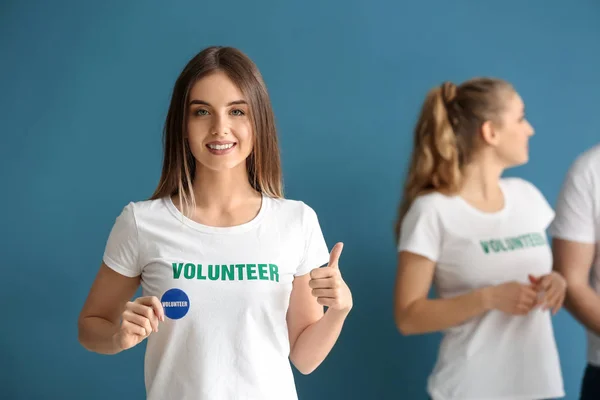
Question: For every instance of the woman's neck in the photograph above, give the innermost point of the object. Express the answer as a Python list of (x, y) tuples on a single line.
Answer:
[(481, 185), (222, 190)]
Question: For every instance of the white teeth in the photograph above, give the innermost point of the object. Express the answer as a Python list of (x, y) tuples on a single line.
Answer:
[(221, 146)]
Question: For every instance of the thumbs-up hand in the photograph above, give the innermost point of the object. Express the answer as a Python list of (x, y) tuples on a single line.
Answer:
[(328, 286)]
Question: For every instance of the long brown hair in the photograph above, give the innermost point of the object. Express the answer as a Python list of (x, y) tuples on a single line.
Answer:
[(179, 165), (445, 136)]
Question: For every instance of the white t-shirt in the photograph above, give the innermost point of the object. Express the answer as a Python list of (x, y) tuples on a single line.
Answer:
[(495, 356), (578, 220), (227, 292)]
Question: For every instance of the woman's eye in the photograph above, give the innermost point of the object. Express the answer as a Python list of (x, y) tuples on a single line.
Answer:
[(237, 112), (201, 112)]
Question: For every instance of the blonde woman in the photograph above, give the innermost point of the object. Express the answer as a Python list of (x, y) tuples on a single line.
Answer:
[(480, 239)]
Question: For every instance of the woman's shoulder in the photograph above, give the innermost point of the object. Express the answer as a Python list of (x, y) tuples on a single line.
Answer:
[(290, 206), (143, 208), (433, 200), (520, 185)]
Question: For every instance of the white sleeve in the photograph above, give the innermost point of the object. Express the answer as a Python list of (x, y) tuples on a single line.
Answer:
[(575, 216), (316, 252), (543, 209), (421, 230), (121, 252)]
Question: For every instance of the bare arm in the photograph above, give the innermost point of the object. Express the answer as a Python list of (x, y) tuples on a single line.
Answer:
[(574, 261), (108, 300), (312, 333), (415, 313)]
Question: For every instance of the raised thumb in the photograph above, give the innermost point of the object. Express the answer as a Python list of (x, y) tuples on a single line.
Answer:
[(335, 254)]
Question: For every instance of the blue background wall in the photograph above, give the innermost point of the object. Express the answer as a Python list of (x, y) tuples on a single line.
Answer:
[(84, 91)]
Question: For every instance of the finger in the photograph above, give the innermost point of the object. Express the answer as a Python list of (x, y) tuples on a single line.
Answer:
[(335, 254), (528, 303), (528, 300), (529, 294), (134, 329), (546, 283), (322, 283), (147, 312), (553, 306), (553, 300), (548, 298), (158, 308), (325, 301), (135, 318), (330, 293), (540, 300), (558, 305), (534, 287), (154, 302), (534, 282), (528, 289), (139, 320), (552, 294), (324, 273)]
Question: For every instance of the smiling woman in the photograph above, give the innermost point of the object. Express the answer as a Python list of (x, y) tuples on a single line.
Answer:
[(219, 198), (219, 99), (220, 128)]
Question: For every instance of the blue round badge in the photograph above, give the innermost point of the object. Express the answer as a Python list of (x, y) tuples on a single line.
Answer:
[(175, 303)]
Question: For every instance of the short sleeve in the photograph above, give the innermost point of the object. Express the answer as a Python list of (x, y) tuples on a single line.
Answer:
[(121, 252), (421, 230), (543, 209), (575, 217), (316, 252)]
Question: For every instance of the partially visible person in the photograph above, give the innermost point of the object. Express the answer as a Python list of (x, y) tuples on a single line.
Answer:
[(576, 245)]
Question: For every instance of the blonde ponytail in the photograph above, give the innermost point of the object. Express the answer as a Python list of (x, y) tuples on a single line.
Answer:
[(444, 137), (434, 163)]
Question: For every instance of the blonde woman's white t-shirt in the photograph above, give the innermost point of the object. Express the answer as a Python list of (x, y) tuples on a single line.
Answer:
[(226, 292), (495, 356)]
